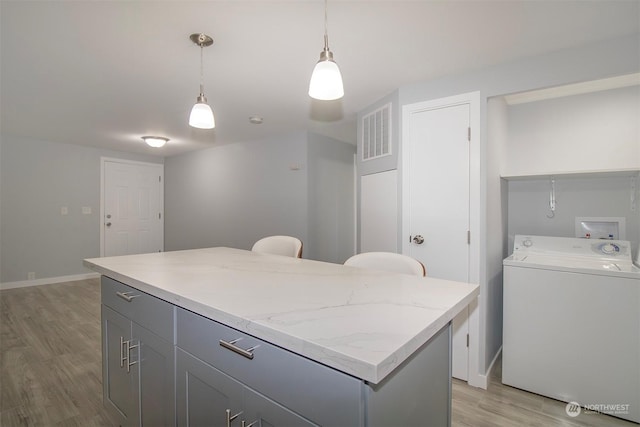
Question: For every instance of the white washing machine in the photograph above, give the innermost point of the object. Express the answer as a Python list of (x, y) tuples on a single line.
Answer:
[(571, 325)]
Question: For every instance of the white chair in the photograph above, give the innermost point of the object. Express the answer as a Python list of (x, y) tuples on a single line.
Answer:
[(388, 261), (279, 245)]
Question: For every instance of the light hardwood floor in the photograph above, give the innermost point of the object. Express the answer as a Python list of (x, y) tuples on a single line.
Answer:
[(50, 369)]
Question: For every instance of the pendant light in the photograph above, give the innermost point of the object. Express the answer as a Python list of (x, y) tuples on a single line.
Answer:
[(201, 114), (326, 80)]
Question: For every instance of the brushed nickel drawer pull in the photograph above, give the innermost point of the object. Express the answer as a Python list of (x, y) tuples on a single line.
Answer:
[(230, 345), (128, 348), (123, 358), (230, 417), (125, 296)]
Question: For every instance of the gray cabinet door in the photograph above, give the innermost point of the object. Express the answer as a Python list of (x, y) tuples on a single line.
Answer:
[(205, 397), (263, 412), (120, 395), (155, 360)]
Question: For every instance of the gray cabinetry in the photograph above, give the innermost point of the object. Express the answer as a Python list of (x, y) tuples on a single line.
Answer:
[(166, 366), (203, 393), (280, 388), (118, 384), (208, 397), (137, 361)]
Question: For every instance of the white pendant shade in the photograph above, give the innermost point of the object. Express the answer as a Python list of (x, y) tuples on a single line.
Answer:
[(202, 116), (326, 81)]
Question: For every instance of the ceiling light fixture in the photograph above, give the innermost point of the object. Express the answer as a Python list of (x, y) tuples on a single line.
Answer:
[(201, 116), (155, 141), (326, 80)]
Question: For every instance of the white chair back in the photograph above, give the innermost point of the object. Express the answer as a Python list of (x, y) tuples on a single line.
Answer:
[(279, 245), (387, 261)]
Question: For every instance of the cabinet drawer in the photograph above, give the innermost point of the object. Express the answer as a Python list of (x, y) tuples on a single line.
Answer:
[(302, 385), (146, 310)]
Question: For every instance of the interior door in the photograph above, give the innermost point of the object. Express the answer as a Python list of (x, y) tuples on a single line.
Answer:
[(132, 208), (436, 202)]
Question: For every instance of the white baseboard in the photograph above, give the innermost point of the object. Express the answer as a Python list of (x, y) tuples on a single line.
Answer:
[(482, 380), (493, 362), (478, 380), (47, 281)]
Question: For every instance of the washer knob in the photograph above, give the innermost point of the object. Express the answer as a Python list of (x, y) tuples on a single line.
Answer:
[(527, 243), (609, 248)]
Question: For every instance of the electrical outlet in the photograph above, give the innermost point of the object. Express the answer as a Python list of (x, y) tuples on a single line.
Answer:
[(86, 210), (31, 275)]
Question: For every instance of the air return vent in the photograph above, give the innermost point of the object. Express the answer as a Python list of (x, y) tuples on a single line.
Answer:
[(376, 133)]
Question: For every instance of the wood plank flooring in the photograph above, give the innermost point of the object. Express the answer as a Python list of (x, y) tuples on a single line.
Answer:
[(50, 369)]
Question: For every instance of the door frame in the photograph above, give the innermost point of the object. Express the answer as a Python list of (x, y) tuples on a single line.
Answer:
[(103, 161), (476, 377)]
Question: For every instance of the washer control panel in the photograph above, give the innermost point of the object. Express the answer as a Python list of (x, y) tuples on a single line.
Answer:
[(608, 248)]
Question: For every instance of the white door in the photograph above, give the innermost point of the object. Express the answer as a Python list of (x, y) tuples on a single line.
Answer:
[(132, 208), (436, 202)]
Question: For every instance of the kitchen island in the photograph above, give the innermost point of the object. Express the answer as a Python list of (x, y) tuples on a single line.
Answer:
[(223, 336)]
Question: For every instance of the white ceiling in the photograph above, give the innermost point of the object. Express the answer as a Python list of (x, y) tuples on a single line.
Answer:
[(105, 73)]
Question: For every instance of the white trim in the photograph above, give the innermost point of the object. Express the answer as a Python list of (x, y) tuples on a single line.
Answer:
[(47, 281), (574, 89), (482, 380), (355, 203), (104, 160)]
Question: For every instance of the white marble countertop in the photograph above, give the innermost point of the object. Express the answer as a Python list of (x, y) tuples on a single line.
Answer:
[(362, 322)]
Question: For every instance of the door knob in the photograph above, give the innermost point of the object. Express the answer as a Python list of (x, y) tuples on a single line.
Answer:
[(108, 224), (418, 239)]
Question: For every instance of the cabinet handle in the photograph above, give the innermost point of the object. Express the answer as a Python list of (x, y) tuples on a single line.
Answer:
[(229, 345), (129, 363), (123, 358), (125, 296), (244, 423), (231, 417)]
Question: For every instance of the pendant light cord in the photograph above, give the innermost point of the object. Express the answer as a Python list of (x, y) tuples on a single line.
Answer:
[(201, 71), (326, 31)]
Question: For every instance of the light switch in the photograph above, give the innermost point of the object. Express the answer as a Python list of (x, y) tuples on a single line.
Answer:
[(64, 210), (86, 210)]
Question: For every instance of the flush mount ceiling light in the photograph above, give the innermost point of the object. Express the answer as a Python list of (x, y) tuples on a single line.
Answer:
[(155, 141), (201, 116), (326, 80)]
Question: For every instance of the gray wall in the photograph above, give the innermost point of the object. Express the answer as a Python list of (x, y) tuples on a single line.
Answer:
[(331, 197), (497, 214), (605, 59), (299, 184), (575, 197), (591, 131), (235, 194), (37, 178)]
